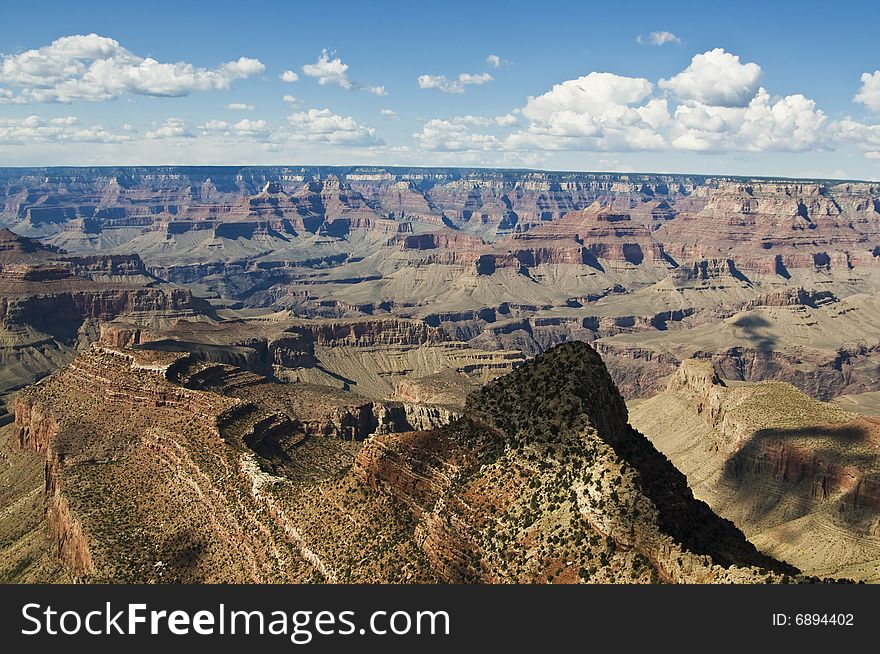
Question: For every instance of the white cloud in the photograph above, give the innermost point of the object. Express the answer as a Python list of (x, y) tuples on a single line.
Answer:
[(600, 111), (495, 61), (334, 72), (507, 120), (441, 83), (389, 113), (240, 106), (252, 128), (93, 67), (716, 78), (597, 95), (289, 99), (869, 94), (8, 97), (604, 112), (866, 137), (257, 130), (323, 125), (172, 128), (453, 136), (658, 38), (457, 135), (790, 124), (65, 129), (329, 71), (216, 126), (288, 76)]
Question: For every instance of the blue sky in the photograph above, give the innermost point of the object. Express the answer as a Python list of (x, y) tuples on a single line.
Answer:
[(752, 88)]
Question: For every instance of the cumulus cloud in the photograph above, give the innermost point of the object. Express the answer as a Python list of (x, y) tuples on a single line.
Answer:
[(604, 112), (240, 106), (288, 76), (658, 38), (65, 129), (865, 137), (289, 99), (93, 67), (457, 85), (459, 134), (600, 111), (716, 78), (215, 126), (869, 93), (790, 124), (322, 125), (329, 69), (255, 130), (594, 96), (8, 97), (172, 128), (389, 113), (314, 125), (495, 61), (252, 128), (454, 135)]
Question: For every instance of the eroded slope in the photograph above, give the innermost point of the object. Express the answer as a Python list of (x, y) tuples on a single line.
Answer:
[(799, 476), (162, 466)]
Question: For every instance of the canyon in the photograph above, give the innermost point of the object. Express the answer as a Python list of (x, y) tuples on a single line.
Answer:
[(330, 374), (644, 265), (799, 476), (208, 473)]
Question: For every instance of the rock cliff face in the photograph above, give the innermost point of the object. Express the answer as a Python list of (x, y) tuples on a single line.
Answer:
[(43, 423), (548, 448), (643, 371), (563, 256), (371, 332), (536, 482), (788, 469), (52, 304), (116, 415), (785, 226), (372, 301), (605, 234)]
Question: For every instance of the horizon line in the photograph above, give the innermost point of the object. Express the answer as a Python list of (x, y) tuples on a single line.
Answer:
[(457, 168)]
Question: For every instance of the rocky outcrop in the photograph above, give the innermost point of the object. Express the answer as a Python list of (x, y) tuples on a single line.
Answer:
[(642, 371), (138, 377), (637, 371), (605, 234), (781, 453), (48, 310), (116, 265), (52, 304), (541, 479), (466, 485), (35, 424), (380, 331), (68, 538), (775, 227), (827, 481)]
